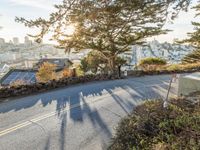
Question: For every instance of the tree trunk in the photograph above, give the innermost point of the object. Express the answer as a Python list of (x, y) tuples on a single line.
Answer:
[(112, 67)]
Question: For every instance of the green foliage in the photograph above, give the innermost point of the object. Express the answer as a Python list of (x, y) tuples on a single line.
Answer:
[(84, 65), (152, 63), (194, 37), (183, 67), (174, 67), (109, 27), (194, 40), (120, 61), (193, 57), (150, 126), (94, 62), (79, 71)]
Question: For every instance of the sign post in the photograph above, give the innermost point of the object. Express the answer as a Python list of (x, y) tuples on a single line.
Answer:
[(166, 103)]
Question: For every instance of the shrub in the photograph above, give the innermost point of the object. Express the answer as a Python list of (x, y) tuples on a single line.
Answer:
[(174, 67), (152, 127), (68, 73), (193, 57), (46, 72), (183, 67), (79, 71), (18, 83), (191, 66), (6, 92), (152, 63)]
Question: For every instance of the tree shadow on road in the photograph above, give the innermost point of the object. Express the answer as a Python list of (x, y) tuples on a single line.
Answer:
[(73, 101)]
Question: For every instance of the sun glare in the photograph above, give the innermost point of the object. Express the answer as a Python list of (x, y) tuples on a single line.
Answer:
[(70, 29)]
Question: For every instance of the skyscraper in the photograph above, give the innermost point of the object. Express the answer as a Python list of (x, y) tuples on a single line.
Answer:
[(2, 41), (16, 40), (27, 41)]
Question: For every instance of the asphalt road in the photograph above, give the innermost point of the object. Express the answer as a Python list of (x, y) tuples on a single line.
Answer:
[(79, 117)]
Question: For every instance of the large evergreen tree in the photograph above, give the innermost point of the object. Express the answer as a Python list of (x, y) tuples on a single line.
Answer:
[(194, 37), (193, 57), (194, 40), (107, 26)]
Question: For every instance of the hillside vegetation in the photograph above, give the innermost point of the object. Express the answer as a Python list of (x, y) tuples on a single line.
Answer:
[(151, 127)]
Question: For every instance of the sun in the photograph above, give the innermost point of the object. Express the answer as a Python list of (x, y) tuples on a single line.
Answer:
[(69, 30)]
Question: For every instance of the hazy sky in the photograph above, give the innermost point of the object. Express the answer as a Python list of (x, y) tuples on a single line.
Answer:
[(31, 9)]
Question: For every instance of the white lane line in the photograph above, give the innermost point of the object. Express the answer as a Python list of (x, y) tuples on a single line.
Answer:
[(27, 123)]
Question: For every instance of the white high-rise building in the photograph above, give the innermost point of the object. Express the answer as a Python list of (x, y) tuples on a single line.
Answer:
[(2, 41), (27, 41), (173, 53), (16, 40)]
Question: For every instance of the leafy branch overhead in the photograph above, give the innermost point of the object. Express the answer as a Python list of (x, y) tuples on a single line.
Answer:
[(194, 40), (194, 37), (109, 27)]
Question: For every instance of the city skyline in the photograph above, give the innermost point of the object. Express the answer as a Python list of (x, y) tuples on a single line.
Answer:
[(32, 9), (16, 41)]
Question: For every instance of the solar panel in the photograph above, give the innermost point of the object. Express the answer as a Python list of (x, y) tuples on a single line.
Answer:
[(27, 77), (14, 73)]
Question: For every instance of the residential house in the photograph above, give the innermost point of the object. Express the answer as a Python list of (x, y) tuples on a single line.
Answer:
[(60, 63), (4, 68), (27, 76)]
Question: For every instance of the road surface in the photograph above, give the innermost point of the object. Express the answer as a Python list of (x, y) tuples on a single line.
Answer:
[(81, 117)]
